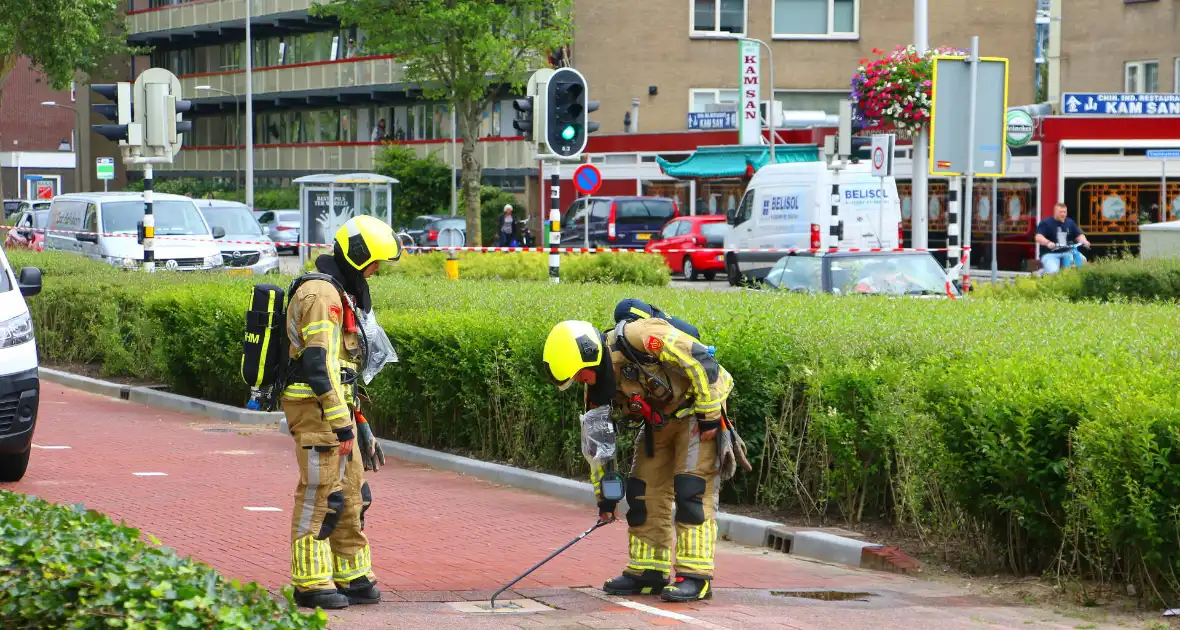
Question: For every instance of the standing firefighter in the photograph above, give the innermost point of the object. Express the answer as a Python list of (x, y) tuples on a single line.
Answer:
[(665, 379), (334, 339)]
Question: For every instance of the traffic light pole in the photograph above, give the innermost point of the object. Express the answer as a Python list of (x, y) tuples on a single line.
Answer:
[(149, 222), (555, 223)]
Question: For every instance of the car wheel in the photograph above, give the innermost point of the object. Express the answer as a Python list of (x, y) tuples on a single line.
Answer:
[(734, 275), (710, 275), (690, 272), (13, 466)]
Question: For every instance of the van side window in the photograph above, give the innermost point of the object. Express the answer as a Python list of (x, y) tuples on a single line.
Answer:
[(600, 209), (91, 218), (746, 210), (67, 215)]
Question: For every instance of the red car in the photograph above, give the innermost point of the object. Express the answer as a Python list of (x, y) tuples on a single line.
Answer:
[(22, 236), (691, 245)]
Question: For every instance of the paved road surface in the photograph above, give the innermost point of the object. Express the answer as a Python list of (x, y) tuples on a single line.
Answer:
[(438, 537)]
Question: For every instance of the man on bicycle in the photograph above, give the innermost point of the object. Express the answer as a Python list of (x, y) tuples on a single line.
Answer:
[(1056, 235)]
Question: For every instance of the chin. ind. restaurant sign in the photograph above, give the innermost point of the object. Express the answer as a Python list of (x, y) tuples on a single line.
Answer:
[(712, 120)]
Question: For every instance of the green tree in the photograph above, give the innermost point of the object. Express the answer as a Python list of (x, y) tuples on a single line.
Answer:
[(424, 184), (61, 38), (464, 52)]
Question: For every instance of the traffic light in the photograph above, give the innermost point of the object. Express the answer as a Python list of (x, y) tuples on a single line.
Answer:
[(566, 128), (157, 93), (119, 111), (525, 117)]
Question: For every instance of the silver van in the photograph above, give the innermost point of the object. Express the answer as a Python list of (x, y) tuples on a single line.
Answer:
[(104, 227)]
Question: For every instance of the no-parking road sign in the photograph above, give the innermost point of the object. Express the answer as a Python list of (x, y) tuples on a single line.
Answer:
[(883, 155), (587, 179)]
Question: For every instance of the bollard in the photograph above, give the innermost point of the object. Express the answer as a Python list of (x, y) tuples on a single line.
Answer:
[(555, 224), (451, 267)]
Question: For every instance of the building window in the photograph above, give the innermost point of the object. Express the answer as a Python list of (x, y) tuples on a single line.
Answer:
[(1141, 77), (718, 17), (814, 19)]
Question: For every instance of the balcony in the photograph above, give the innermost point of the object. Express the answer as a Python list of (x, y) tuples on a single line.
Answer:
[(192, 19), (499, 154), (296, 81)]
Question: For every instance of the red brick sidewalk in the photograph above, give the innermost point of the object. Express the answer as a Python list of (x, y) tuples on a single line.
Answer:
[(437, 536)]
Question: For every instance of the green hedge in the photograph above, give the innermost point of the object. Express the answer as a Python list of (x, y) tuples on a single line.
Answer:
[(65, 566), (614, 268), (1022, 433), (1105, 280)]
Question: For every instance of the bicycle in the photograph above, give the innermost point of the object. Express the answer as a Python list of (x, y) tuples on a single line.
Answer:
[(1072, 259)]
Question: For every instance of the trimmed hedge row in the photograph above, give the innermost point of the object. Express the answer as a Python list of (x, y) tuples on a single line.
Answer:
[(613, 268), (65, 566), (1033, 433), (1134, 279)]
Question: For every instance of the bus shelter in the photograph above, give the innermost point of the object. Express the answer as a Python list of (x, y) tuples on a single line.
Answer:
[(327, 201)]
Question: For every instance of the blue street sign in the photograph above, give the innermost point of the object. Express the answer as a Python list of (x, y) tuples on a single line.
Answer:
[(587, 179), (712, 120), (1092, 104), (1163, 153)]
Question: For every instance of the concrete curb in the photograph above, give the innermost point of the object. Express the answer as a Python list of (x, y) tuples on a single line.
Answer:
[(744, 530), (156, 398)]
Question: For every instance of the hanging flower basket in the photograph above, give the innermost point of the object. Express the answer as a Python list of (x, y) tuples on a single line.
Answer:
[(892, 93)]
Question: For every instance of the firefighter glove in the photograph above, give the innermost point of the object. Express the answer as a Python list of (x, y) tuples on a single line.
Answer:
[(371, 455)]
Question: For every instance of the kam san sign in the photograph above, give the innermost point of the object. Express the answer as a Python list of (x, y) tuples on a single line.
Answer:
[(1117, 104), (750, 115)]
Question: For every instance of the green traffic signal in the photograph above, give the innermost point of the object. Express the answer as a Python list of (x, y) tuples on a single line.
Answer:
[(569, 132)]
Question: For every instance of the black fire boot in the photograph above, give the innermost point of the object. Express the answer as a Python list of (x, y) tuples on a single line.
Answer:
[(328, 600), (650, 583), (360, 591), (688, 589)]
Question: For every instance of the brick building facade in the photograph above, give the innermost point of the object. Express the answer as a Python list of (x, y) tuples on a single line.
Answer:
[(31, 135)]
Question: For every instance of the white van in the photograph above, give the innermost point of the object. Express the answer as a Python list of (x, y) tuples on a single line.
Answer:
[(19, 383), (790, 206), (104, 227)]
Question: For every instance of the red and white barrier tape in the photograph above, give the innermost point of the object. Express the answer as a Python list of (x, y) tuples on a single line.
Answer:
[(548, 250)]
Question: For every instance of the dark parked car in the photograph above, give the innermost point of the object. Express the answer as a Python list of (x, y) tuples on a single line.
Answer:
[(628, 222), (420, 225), (429, 237)]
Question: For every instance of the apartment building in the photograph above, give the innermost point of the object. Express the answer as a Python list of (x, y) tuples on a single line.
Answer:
[(1128, 46), (321, 101)]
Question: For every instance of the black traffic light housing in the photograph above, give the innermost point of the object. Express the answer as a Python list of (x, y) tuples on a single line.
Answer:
[(183, 126), (566, 125), (118, 111), (526, 116)]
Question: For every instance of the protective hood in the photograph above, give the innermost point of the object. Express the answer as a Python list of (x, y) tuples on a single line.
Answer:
[(353, 281)]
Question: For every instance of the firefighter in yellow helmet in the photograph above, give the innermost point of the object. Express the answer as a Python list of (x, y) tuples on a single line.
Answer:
[(331, 564), (669, 381)]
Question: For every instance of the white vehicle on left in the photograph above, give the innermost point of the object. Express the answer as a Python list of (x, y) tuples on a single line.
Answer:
[(104, 227)]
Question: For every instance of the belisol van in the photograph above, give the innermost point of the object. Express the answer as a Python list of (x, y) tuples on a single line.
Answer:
[(789, 206)]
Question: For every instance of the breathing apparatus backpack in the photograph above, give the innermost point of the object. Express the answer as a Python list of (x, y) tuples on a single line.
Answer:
[(265, 346), (632, 309)]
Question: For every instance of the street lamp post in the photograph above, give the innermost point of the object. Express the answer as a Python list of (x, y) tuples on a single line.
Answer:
[(249, 110), (77, 142), (237, 127), (770, 104)]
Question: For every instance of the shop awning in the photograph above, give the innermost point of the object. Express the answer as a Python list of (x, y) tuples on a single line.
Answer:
[(735, 160)]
